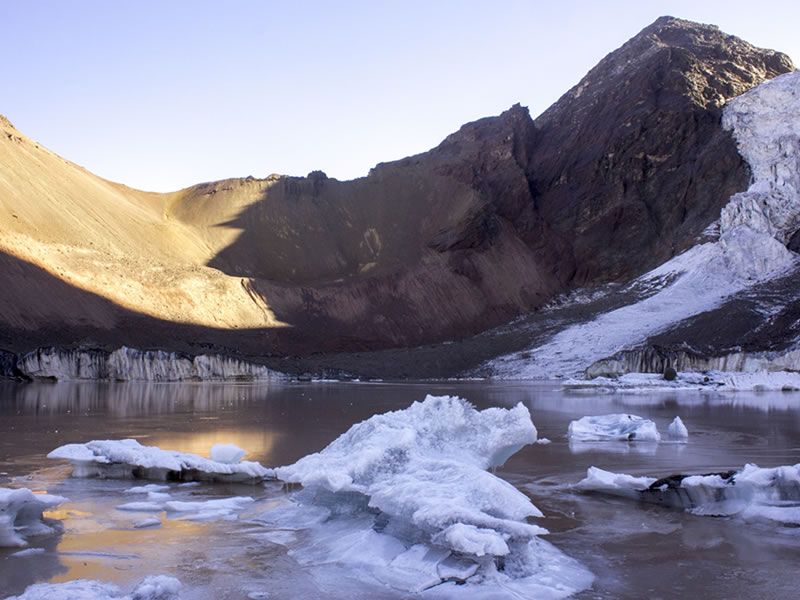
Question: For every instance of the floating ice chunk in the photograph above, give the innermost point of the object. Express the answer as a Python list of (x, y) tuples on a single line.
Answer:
[(426, 465), (615, 427), (677, 430), (209, 510), (543, 441), (147, 489), (129, 459), (147, 523), (404, 498), (617, 484), (154, 587), (21, 516), (749, 493), (228, 454), (141, 506), (28, 552)]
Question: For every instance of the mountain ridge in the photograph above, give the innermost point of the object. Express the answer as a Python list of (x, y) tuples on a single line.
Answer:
[(626, 170)]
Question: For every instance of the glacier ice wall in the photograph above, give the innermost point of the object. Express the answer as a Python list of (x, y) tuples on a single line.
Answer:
[(130, 364)]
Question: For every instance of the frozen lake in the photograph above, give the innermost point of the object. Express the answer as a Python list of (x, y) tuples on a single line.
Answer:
[(634, 550)]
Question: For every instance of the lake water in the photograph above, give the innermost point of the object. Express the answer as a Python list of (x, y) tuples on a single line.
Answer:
[(634, 550)]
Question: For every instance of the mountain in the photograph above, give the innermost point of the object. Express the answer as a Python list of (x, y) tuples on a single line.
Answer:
[(628, 169)]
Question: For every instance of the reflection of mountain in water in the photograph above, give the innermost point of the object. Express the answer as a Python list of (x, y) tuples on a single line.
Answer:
[(127, 399)]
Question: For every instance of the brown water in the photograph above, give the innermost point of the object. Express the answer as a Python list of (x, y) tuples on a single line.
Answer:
[(635, 551)]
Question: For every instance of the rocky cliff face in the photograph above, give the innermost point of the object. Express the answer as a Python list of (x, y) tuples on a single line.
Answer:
[(627, 169)]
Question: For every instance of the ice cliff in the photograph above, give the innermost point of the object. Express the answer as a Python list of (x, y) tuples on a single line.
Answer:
[(130, 364)]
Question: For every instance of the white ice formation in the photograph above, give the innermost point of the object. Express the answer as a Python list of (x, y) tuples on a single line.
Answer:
[(754, 228), (712, 381), (751, 493), (154, 587), (614, 427), (130, 364), (21, 516), (404, 498), (126, 459), (677, 430)]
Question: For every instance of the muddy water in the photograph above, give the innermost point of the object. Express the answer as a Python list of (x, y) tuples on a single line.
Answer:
[(635, 551)]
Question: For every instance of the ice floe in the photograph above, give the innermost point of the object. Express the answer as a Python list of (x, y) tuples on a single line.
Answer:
[(677, 430), (21, 516), (129, 459), (614, 427), (404, 498), (154, 587), (751, 493)]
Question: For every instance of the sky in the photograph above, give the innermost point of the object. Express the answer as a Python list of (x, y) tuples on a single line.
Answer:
[(161, 95)]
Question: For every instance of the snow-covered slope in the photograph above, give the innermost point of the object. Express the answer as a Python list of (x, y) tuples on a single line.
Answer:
[(753, 230)]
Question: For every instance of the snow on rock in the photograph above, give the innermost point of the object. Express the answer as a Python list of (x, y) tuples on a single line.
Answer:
[(760, 381), (614, 427), (677, 430), (754, 228), (129, 459), (21, 516), (751, 493), (154, 587), (404, 498), (130, 364)]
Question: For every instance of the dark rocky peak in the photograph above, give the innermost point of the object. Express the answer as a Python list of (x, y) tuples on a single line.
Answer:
[(512, 128), (676, 55), (632, 163)]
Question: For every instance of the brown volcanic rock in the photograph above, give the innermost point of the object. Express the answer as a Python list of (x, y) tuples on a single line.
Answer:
[(632, 163), (624, 171)]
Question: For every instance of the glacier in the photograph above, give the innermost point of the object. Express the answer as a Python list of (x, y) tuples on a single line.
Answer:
[(405, 499), (753, 229), (21, 516), (128, 459)]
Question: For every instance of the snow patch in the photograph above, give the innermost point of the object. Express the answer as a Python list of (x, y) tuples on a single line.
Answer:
[(129, 459), (21, 516)]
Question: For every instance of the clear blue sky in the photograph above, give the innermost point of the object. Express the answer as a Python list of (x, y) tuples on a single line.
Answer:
[(163, 94)]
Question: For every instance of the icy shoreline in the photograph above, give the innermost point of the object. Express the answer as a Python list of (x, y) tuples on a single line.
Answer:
[(712, 381)]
